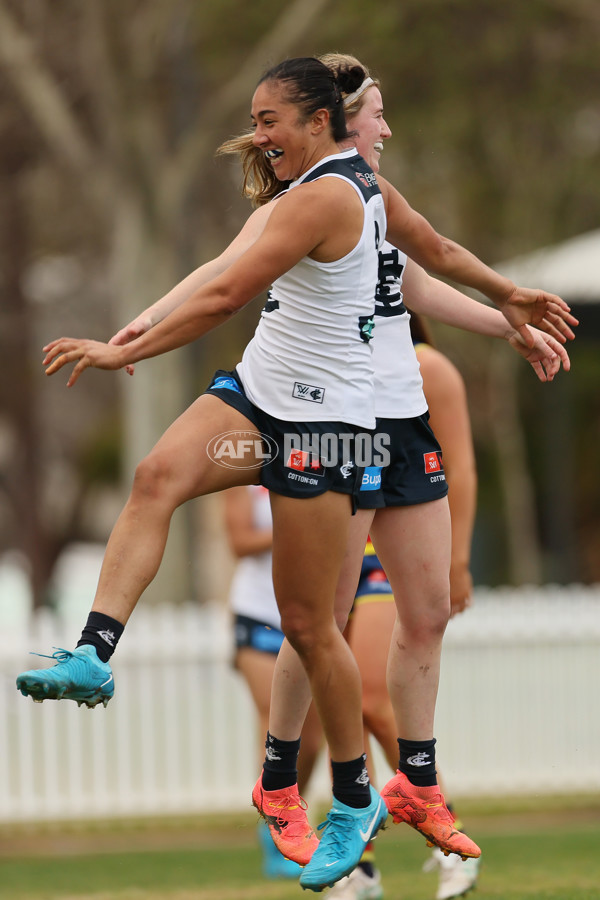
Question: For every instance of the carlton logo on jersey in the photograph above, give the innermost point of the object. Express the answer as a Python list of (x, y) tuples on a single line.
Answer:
[(308, 392)]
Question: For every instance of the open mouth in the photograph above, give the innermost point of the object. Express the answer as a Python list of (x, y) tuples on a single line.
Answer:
[(378, 146), (273, 154)]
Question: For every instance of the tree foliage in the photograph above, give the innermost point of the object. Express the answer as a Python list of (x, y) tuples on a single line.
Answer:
[(110, 113)]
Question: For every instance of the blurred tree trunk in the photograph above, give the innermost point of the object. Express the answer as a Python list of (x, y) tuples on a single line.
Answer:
[(145, 266), (24, 469)]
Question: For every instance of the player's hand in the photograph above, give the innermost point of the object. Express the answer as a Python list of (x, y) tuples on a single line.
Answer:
[(545, 355), (84, 353), (548, 312), (130, 332), (461, 588)]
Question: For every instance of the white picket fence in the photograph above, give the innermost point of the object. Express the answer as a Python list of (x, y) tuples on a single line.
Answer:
[(518, 712)]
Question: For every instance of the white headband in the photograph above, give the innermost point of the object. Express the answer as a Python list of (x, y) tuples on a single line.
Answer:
[(351, 97)]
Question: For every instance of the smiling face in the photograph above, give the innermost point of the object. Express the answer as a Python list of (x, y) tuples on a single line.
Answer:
[(369, 128), (290, 146)]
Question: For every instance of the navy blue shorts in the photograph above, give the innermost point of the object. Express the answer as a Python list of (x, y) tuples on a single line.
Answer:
[(252, 633), (300, 459), (415, 473)]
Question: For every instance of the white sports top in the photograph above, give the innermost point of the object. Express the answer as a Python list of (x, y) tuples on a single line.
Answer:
[(310, 359), (251, 593), (398, 383)]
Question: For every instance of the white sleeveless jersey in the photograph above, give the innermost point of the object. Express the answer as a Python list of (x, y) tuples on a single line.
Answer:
[(398, 383), (310, 359), (251, 593)]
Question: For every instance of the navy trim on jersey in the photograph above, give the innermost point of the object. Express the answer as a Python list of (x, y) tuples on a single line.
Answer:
[(364, 177)]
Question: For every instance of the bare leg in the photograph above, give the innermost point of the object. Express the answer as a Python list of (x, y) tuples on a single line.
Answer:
[(308, 549), (403, 538), (176, 470), (257, 670), (291, 692), (369, 635), (310, 747), (318, 531)]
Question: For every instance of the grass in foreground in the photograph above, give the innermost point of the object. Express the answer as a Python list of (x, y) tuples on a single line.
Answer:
[(545, 856)]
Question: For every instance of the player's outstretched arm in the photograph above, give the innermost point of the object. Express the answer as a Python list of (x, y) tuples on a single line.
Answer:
[(306, 222), (438, 300), (413, 234), (155, 313), (550, 313)]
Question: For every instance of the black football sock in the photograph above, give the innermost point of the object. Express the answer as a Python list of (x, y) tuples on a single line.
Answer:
[(280, 765), (417, 762), (103, 632), (367, 867), (351, 782)]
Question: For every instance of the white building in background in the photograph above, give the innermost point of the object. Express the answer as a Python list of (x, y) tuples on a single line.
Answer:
[(570, 269)]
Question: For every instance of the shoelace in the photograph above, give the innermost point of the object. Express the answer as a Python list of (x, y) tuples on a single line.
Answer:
[(60, 655), (334, 840), (287, 803)]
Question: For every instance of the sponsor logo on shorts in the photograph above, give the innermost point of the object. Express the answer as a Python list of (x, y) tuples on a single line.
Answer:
[(302, 479), (433, 462), (303, 461), (371, 479), (309, 392), (242, 449), (225, 381)]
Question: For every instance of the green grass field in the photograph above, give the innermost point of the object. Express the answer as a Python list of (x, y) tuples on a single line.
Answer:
[(528, 853)]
